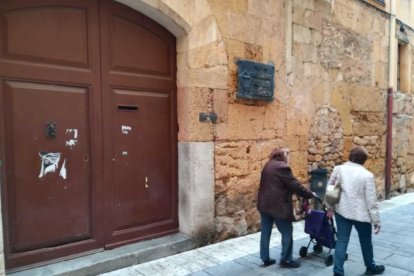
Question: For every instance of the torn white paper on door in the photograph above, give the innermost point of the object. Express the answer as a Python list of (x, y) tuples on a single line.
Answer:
[(50, 162)]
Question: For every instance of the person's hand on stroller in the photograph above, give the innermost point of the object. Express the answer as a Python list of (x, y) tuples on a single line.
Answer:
[(377, 229), (330, 213)]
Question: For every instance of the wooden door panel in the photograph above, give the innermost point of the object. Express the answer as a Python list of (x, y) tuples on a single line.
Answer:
[(51, 35), (126, 36), (51, 176), (142, 158), (50, 72), (138, 70), (80, 64)]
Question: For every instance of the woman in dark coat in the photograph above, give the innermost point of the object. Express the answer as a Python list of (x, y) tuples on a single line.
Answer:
[(277, 185)]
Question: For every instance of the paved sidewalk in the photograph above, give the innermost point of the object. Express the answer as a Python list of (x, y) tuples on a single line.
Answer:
[(393, 247)]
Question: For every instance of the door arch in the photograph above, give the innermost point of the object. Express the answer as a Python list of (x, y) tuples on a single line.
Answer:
[(88, 96)]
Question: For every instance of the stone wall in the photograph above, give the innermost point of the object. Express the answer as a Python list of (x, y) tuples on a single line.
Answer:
[(342, 72), (247, 130), (326, 140), (331, 76), (331, 61)]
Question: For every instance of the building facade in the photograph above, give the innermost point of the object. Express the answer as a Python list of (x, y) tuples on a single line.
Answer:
[(120, 119)]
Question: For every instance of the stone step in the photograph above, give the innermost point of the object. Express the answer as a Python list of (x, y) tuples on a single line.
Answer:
[(117, 258)]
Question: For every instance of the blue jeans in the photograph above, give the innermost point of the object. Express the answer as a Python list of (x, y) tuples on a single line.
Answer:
[(285, 228), (364, 230)]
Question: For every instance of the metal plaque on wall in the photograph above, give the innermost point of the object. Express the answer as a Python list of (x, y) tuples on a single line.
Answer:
[(255, 80)]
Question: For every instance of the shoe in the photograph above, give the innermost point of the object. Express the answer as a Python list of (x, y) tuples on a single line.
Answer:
[(379, 269), (290, 264), (268, 262)]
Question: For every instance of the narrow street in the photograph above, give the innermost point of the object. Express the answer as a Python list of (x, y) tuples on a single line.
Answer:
[(393, 247)]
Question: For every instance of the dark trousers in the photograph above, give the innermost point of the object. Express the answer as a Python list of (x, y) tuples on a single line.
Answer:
[(364, 230), (285, 228)]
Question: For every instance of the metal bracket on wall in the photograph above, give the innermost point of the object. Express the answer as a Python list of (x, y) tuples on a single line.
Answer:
[(208, 117)]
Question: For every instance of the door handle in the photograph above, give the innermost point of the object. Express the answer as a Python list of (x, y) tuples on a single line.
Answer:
[(146, 182)]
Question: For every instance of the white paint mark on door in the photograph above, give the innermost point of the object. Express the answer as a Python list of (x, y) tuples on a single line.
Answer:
[(74, 131), (126, 129), (63, 172), (49, 162), (72, 142)]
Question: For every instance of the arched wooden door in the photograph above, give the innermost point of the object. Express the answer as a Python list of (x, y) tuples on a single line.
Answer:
[(88, 128)]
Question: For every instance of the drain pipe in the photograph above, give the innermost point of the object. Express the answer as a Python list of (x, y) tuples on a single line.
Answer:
[(388, 154), (392, 63)]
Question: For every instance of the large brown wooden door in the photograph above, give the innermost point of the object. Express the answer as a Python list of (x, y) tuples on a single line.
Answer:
[(88, 128), (138, 84)]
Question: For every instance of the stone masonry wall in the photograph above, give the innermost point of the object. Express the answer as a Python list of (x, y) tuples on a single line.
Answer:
[(403, 134), (247, 130), (331, 77), (331, 70), (343, 66)]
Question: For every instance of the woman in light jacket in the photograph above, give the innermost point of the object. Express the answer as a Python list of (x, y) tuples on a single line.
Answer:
[(357, 207)]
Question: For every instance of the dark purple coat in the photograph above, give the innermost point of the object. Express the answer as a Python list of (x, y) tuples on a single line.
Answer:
[(277, 185)]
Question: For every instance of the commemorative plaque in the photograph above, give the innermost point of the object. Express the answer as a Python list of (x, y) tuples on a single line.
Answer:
[(255, 80)]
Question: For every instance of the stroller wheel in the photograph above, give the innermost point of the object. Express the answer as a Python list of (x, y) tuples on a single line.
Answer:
[(303, 251), (317, 248), (329, 260)]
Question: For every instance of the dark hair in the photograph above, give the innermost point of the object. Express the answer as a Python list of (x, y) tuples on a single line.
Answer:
[(358, 155), (278, 154)]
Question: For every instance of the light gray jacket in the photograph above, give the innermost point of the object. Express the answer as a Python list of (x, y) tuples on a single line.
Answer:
[(359, 198)]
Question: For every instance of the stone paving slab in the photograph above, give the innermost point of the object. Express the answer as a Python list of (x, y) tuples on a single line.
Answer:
[(393, 247)]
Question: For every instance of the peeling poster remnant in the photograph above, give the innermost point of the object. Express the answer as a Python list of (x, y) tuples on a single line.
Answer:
[(72, 142), (50, 162), (63, 172), (126, 129)]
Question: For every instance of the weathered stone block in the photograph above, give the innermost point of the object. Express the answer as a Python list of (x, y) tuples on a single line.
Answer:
[(298, 127), (210, 55), (211, 77), (369, 123), (316, 38), (307, 4), (196, 187), (239, 6), (220, 104), (298, 163), (253, 52), (342, 102), (190, 102), (305, 52), (205, 32), (368, 99), (292, 143), (244, 122), (313, 20), (312, 70), (298, 15), (275, 116), (301, 34)]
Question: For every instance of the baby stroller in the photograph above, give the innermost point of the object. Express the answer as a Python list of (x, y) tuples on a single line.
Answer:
[(321, 231)]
